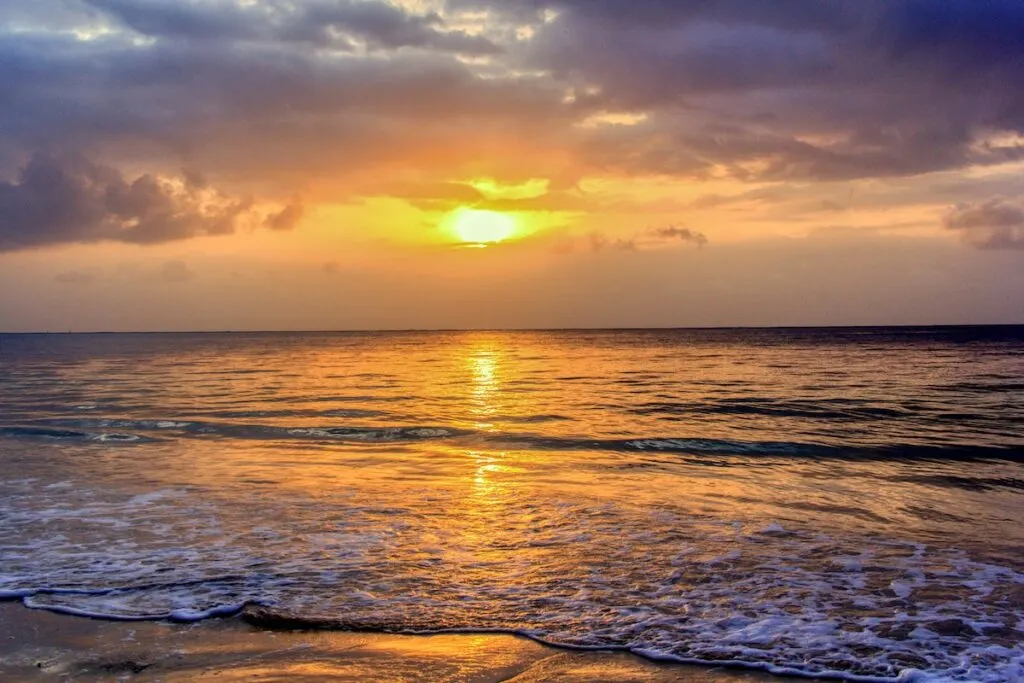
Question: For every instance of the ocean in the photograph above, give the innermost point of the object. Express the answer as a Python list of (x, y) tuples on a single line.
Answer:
[(843, 503)]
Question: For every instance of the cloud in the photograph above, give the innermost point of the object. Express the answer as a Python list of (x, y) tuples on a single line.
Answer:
[(675, 232), (600, 242), (997, 223), (275, 114), (371, 98), (340, 25), (427, 194), (639, 241), (778, 91), (285, 219), (66, 198)]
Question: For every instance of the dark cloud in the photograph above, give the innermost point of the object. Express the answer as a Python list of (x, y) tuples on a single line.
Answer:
[(59, 16), (367, 97), (599, 242), (638, 241), (792, 90), (676, 232), (340, 25), (67, 198), (645, 14), (286, 219), (994, 224), (272, 113)]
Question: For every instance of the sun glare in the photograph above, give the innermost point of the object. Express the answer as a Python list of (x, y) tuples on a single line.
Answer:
[(479, 226)]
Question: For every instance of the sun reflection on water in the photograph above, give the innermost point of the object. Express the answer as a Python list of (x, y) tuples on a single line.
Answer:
[(484, 360)]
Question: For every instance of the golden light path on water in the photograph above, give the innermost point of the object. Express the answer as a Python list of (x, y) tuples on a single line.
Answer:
[(484, 360)]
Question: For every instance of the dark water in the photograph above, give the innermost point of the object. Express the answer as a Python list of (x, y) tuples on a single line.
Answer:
[(840, 502)]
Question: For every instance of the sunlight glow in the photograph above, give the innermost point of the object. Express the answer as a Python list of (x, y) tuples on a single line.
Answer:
[(478, 226), (493, 189)]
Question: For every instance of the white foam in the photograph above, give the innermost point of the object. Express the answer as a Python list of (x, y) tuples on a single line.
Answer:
[(187, 614), (597, 574), (902, 589), (117, 437)]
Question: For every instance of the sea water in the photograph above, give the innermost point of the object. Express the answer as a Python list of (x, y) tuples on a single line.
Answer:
[(832, 502)]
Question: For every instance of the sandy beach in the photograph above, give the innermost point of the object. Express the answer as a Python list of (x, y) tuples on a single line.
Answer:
[(39, 645)]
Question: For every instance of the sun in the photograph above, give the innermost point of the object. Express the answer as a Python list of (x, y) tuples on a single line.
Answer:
[(479, 226)]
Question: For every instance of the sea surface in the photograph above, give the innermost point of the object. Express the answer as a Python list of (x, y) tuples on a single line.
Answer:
[(836, 502)]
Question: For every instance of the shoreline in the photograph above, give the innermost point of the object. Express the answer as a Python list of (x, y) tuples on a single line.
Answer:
[(41, 645)]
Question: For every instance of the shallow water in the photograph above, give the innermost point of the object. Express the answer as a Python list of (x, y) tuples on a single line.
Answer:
[(842, 502)]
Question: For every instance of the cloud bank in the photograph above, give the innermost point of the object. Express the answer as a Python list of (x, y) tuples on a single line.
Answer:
[(67, 198), (994, 224), (355, 98)]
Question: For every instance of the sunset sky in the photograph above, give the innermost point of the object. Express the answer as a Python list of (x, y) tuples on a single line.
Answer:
[(367, 164)]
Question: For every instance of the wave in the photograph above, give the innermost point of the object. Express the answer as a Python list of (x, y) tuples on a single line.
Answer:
[(142, 431), (591, 574), (837, 410), (270, 619), (32, 432), (933, 642)]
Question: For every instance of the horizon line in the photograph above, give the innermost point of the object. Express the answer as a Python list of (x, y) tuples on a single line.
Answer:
[(521, 329)]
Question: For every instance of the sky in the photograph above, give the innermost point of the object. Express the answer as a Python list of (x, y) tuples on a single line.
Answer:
[(400, 164)]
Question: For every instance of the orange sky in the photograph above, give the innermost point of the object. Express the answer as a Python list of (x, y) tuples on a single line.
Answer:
[(266, 165)]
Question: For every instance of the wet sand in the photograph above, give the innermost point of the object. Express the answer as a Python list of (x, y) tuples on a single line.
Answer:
[(38, 645)]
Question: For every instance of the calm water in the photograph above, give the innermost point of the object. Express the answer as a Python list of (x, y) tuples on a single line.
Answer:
[(848, 502)]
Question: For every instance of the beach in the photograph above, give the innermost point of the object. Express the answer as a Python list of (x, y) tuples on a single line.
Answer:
[(39, 645)]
